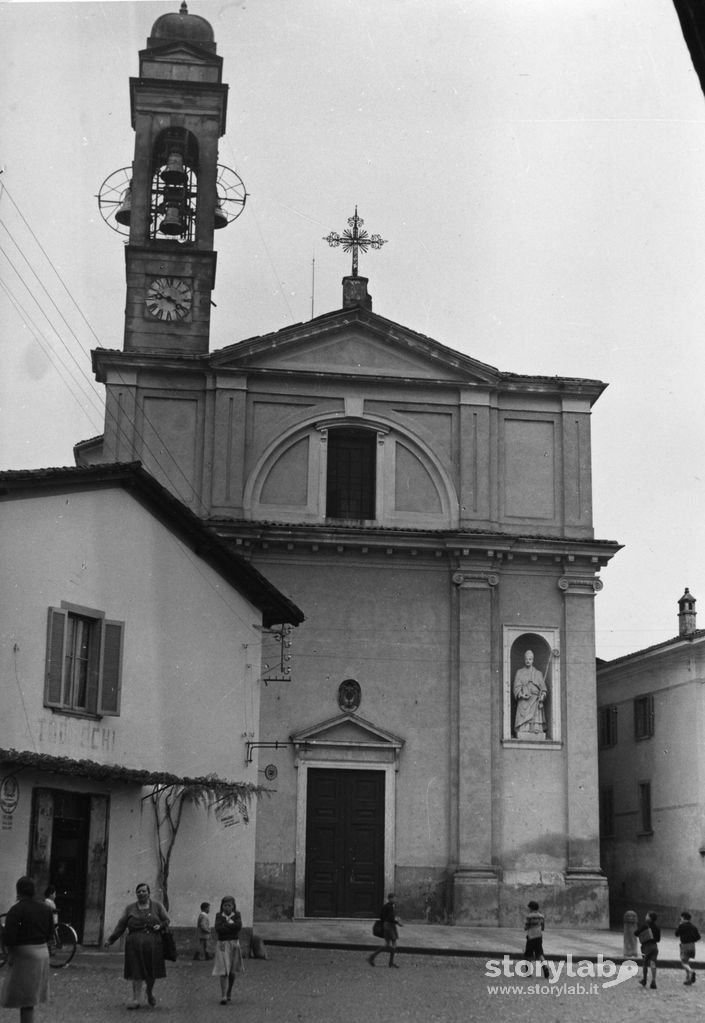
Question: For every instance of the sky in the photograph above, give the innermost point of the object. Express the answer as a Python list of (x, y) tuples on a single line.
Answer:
[(536, 167)]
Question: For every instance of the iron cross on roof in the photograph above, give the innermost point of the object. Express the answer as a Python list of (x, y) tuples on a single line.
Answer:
[(355, 239)]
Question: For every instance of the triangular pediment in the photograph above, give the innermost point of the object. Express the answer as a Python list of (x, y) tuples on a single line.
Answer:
[(181, 51), (355, 343), (346, 730)]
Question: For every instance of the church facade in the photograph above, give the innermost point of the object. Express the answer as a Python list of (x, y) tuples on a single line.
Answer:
[(431, 729)]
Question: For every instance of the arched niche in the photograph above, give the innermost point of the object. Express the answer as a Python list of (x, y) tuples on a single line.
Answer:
[(525, 724), (291, 479)]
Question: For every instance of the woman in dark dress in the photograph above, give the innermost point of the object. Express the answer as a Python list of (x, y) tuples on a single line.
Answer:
[(144, 958), (29, 926)]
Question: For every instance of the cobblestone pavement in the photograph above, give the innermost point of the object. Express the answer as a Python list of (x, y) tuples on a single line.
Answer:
[(298, 985)]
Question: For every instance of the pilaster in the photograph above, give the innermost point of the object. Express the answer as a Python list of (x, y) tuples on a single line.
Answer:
[(583, 833), (475, 879)]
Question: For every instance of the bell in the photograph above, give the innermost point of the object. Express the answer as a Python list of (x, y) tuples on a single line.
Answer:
[(174, 173), (173, 222), (219, 217), (123, 214)]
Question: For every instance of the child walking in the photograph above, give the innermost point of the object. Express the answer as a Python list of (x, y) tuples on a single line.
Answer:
[(649, 935), (228, 924), (390, 931), (534, 926), (203, 932), (687, 934)]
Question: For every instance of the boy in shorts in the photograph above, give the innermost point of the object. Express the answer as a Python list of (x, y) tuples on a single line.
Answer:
[(687, 933)]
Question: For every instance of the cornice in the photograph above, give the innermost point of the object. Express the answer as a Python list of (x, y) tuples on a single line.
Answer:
[(497, 552)]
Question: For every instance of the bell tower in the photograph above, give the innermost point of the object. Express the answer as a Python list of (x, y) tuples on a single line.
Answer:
[(175, 194), (178, 106), (168, 204)]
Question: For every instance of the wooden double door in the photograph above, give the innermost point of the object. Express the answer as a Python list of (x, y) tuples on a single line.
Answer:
[(344, 843)]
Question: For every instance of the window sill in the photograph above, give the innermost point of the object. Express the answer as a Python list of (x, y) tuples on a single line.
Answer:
[(69, 712), (551, 744)]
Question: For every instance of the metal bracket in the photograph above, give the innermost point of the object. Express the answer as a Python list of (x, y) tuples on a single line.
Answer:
[(277, 744)]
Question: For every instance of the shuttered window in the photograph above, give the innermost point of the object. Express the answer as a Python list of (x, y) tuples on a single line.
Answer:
[(643, 717), (645, 808), (83, 661), (607, 812), (607, 727)]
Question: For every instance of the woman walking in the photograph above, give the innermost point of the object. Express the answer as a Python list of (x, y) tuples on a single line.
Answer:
[(144, 921), (228, 924), (29, 927)]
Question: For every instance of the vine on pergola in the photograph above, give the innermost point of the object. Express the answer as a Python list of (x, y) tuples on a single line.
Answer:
[(169, 793), (168, 803)]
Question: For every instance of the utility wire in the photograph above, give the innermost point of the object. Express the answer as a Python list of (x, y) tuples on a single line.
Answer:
[(45, 347), (109, 414)]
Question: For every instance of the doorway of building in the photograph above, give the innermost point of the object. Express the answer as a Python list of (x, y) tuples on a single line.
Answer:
[(344, 843), (69, 856), (68, 848)]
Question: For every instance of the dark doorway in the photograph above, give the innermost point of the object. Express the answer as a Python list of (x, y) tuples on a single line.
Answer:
[(69, 856), (344, 843), (69, 849)]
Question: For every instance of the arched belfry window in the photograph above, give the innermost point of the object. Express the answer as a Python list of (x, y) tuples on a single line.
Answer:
[(174, 186), (351, 473)]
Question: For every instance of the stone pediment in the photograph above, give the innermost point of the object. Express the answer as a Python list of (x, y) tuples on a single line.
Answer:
[(179, 51), (360, 345), (346, 731)]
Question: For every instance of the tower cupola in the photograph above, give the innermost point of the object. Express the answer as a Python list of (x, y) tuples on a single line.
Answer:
[(183, 27)]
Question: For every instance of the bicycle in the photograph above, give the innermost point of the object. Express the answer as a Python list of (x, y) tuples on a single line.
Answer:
[(62, 947)]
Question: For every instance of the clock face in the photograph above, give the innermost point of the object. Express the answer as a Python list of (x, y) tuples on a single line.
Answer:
[(169, 298)]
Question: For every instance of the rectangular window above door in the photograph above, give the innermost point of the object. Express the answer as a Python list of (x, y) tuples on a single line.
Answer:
[(351, 474), (83, 661)]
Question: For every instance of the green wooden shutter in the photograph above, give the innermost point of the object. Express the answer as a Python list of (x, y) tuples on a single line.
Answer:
[(110, 683), (54, 673)]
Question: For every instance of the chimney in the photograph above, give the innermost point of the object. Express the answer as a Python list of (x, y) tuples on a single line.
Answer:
[(686, 614), (355, 293)]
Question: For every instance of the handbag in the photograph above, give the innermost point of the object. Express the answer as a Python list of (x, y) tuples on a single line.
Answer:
[(378, 929), (168, 945)]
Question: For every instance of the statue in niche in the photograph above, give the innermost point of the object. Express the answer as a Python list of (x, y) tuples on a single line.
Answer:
[(530, 692)]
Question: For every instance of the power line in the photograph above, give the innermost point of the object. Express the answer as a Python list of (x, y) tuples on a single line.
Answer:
[(109, 415)]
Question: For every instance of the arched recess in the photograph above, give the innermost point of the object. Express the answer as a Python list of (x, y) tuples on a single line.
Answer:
[(412, 487), (174, 197)]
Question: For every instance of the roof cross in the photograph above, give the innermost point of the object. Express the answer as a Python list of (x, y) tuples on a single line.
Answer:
[(355, 240)]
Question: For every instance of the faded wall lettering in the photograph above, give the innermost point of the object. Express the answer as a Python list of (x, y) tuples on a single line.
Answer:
[(88, 735)]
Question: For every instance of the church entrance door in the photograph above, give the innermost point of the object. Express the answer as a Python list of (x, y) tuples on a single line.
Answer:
[(344, 843)]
